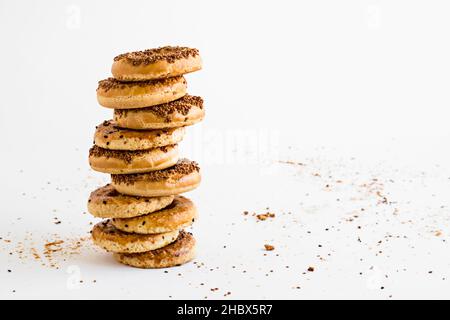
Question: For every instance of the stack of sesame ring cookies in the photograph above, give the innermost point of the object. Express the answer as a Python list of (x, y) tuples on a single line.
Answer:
[(145, 215)]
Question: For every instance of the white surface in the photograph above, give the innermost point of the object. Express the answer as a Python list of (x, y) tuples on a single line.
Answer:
[(355, 90)]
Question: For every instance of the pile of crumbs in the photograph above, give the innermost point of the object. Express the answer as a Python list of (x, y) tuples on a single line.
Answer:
[(49, 251)]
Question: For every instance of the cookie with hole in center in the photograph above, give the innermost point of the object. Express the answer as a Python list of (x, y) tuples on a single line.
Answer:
[(157, 63), (185, 111), (177, 253), (106, 236), (128, 162), (179, 214), (106, 202), (109, 136), (182, 177), (115, 94)]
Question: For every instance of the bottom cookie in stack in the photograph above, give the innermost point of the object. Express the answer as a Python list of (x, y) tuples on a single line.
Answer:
[(144, 232), (177, 253)]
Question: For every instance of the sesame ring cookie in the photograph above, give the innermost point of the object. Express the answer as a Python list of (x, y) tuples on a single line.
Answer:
[(185, 111), (106, 202), (112, 93), (175, 254), (182, 177), (179, 214), (106, 236), (110, 136), (127, 162), (156, 63)]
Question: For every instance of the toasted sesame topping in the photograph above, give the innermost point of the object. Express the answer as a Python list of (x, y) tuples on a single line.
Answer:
[(125, 155), (111, 83), (182, 168), (165, 110), (149, 56)]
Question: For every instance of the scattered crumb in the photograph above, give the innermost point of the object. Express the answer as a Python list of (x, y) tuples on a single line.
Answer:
[(265, 216), (48, 253)]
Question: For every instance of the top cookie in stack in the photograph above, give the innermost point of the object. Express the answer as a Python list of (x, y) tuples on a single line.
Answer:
[(148, 78), (160, 63), (139, 149)]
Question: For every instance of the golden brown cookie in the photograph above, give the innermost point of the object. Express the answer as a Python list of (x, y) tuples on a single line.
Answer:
[(106, 236), (106, 202), (109, 136), (185, 111), (127, 162), (182, 177), (112, 93), (179, 214), (177, 253), (156, 63)]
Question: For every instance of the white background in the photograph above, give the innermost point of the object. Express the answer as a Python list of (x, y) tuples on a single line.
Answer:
[(354, 90)]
